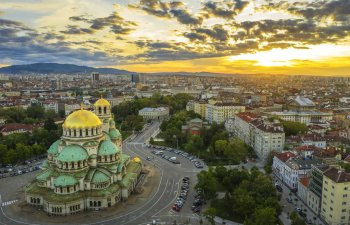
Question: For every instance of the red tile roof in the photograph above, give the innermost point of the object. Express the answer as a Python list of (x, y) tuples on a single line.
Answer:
[(247, 116), (284, 156), (305, 181)]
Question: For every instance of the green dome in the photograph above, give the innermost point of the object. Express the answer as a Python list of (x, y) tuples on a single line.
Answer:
[(54, 148), (111, 123), (107, 148), (114, 133), (64, 180), (73, 153), (99, 177)]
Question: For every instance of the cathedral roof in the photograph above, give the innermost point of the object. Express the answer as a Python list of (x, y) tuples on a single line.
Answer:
[(99, 177), (73, 153), (65, 180), (102, 102), (54, 147), (82, 119), (114, 133), (107, 148)]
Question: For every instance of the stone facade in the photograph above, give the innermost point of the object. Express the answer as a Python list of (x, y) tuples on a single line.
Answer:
[(85, 169)]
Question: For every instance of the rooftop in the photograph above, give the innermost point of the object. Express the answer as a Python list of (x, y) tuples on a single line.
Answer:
[(337, 175)]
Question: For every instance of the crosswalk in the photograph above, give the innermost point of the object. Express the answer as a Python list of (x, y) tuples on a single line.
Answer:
[(8, 203)]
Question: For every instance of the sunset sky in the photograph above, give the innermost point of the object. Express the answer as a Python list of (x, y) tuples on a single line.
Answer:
[(309, 37)]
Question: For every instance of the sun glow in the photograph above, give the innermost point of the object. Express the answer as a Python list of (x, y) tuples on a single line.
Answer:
[(290, 56)]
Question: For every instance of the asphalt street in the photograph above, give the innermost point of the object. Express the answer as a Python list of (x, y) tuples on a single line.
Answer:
[(157, 207)]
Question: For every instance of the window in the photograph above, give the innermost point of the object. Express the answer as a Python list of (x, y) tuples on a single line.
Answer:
[(343, 210), (345, 188), (344, 196), (343, 203)]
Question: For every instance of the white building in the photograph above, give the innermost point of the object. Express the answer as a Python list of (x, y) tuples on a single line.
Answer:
[(296, 168), (279, 161), (50, 105), (220, 112), (262, 135), (154, 113), (306, 117)]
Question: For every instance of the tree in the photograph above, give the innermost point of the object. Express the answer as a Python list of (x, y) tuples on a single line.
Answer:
[(207, 183), (268, 166), (296, 220), (221, 173), (262, 216), (210, 214), (50, 124), (236, 151), (35, 112), (294, 128)]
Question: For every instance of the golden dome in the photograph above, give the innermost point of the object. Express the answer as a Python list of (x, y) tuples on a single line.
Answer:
[(136, 160), (102, 102), (82, 119)]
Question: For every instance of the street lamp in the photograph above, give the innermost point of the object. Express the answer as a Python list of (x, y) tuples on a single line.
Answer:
[(177, 141)]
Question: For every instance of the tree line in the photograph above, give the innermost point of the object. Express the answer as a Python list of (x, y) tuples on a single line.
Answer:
[(19, 147), (250, 197), (126, 113), (213, 144)]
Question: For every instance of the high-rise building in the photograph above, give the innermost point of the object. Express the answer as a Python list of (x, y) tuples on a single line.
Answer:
[(56, 84), (95, 76), (135, 78)]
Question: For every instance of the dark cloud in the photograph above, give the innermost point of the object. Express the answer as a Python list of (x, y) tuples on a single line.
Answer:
[(74, 29), (195, 36), (115, 23), (225, 10), (175, 9), (337, 10), (20, 44), (79, 18), (217, 33)]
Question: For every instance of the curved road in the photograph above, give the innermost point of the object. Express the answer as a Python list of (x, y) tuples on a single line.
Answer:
[(158, 206)]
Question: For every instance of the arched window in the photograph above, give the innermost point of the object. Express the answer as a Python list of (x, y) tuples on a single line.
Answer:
[(81, 132), (86, 132), (99, 110), (105, 110), (66, 165), (75, 133), (92, 131)]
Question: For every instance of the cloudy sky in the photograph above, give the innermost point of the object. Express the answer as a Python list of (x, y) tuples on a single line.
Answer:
[(227, 36)]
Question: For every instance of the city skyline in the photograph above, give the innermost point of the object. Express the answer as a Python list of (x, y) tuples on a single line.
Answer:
[(246, 37)]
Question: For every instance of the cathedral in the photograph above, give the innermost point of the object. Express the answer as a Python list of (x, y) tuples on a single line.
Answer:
[(85, 169)]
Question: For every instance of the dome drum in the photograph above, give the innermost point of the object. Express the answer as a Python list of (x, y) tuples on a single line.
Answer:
[(65, 184), (82, 133)]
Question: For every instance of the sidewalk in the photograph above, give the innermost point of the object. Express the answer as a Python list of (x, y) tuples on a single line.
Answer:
[(219, 221)]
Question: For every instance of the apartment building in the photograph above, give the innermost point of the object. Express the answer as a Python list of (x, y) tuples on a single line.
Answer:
[(335, 206), (260, 134), (314, 196), (219, 112)]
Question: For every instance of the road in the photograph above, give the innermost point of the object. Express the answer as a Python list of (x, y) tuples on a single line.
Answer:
[(157, 207), (296, 202)]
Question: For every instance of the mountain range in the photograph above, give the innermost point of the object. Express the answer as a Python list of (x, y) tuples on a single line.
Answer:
[(57, 68)]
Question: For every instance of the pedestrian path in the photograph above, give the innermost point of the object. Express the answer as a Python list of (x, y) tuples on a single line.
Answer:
[(8, 203)]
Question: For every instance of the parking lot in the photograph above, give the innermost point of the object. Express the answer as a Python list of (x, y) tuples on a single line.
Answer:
[(21, 168), (172, 155)]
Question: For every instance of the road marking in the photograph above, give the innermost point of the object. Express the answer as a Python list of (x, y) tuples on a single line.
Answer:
[(8, 203)]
